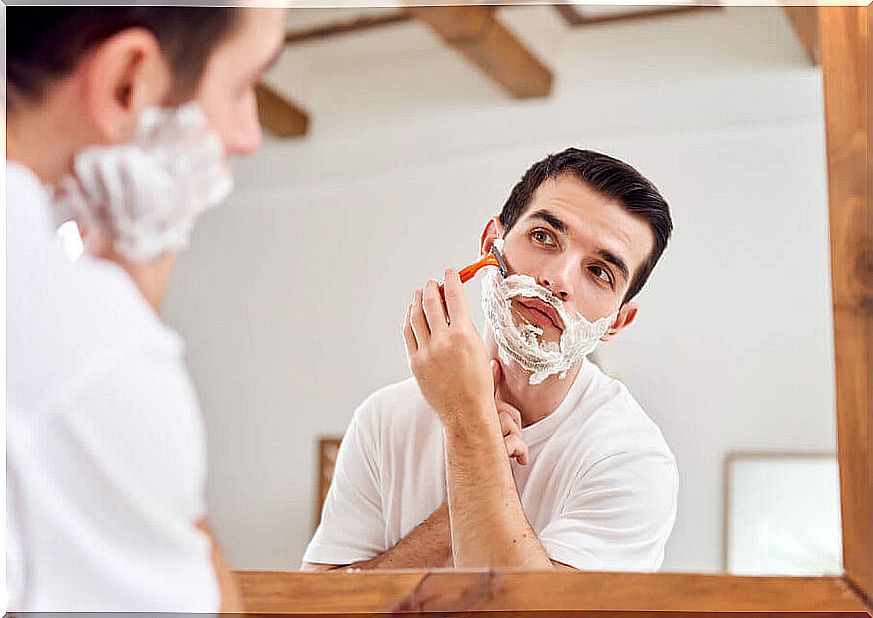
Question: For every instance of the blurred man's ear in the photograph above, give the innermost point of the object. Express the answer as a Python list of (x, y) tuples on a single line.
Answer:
[(626, 315), (493, 229), (122, 76)]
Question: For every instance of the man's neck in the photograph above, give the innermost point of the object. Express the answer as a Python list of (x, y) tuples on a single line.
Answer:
[(43, 138), (533, 401), (151, 278)]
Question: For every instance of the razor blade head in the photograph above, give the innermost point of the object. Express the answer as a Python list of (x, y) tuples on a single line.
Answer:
[(504, 269)]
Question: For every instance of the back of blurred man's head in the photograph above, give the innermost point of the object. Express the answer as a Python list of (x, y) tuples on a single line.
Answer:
[(45, 44), (81, 76)]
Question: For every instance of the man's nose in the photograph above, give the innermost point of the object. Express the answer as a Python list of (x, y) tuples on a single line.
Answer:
[(246, 138), (243, 133), (554, 284)]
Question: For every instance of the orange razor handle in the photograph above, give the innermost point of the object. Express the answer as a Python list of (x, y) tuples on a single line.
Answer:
[(493, 258), (468, 272)]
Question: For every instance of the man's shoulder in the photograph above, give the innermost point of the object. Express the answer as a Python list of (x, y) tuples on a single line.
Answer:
[(399, 405), (616, 421), (68, 320)]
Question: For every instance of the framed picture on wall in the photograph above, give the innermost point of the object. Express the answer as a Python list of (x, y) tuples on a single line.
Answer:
[(782, 514)]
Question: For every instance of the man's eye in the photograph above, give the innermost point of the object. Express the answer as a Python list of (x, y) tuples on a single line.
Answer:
[(602, 274), (542, 237)]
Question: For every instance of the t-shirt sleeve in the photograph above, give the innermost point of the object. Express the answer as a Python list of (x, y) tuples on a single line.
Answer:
[(352, 524), (110, 522), (618, 515)]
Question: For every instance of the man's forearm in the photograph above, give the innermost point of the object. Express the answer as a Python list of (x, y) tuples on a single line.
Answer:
[(487, 521), (429, 545)]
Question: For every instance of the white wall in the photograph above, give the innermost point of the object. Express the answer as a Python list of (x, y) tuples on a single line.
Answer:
[(292, 295)]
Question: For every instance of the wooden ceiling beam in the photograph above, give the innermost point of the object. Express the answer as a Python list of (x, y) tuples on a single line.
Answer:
[(475, 32), (576, 19), (804, 20), (278, 115), (569, 12)]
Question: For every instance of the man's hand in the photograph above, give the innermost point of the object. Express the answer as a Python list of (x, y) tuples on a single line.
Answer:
[(448, 358), (510, 421), (447, 354)]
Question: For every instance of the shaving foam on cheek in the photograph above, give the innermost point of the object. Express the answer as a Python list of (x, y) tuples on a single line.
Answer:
[(145, 195), (523, 343)]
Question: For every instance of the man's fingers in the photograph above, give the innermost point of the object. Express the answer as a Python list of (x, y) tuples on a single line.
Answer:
[(508, 425), (432, 303), (511, 444), (456, 302), (408, 335), (495, 375), (418, 321), (516, 448), (503, 407)]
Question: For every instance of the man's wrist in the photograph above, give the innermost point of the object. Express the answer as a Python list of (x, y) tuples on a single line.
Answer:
[(474, 430)]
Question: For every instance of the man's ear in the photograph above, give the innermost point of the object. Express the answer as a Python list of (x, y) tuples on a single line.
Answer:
[(122, 76), (493, 230), (626, 315)]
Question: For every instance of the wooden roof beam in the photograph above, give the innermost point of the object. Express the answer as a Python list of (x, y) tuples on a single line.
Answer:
[(576, 19), (475, 32), (278, 115)]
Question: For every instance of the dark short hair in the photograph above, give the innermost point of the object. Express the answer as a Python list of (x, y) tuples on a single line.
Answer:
[(45, 43), (609, 177)]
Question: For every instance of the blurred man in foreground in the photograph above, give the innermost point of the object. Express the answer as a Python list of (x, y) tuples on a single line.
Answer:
[(123, 118)]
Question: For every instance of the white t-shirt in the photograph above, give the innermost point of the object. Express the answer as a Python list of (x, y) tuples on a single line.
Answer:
[(600, 487), (105, 447)]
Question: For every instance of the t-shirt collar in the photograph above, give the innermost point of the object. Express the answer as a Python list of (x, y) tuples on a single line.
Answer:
[(545, 427)]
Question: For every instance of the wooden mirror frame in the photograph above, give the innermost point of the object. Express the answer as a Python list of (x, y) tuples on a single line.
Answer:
[(845, 58)]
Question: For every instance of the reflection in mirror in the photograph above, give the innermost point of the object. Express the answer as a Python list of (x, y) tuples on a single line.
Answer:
[(293, 295)]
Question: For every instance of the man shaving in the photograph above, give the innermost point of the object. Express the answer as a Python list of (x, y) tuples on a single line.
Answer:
[(517, 451)]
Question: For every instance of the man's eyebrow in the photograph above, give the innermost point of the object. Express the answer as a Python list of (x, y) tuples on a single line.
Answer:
[(551, 219), (608, 256)]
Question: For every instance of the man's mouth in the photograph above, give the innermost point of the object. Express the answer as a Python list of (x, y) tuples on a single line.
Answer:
[(541, 312)]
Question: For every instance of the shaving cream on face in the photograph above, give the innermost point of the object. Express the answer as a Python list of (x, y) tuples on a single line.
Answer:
[(145, 195), (523, 343)]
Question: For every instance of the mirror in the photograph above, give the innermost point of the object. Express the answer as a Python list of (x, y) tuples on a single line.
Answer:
[(292, 295)]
